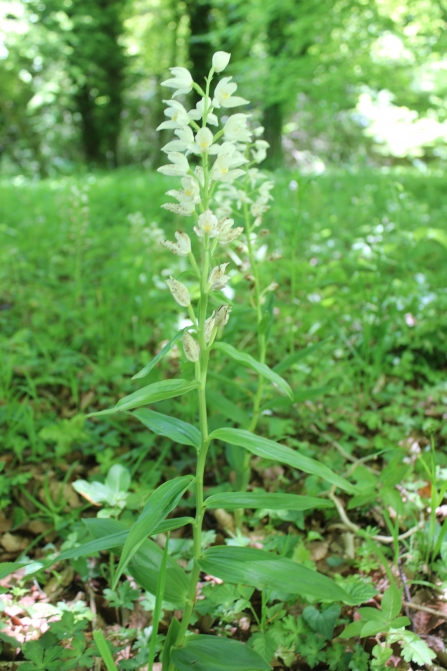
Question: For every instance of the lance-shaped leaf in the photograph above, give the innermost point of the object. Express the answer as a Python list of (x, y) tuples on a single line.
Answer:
[(152, 393), (227, 408), (269, 449), (159, 505), (211, 653), (265, 570), (235, 500), (300, 396), (169, 642), (109, 541), (260, 368), (164, 350), (298, 356), (171, 427), (146, 563)]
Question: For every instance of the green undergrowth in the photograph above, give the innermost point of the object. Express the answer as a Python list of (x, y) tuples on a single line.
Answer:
[(361, 312)]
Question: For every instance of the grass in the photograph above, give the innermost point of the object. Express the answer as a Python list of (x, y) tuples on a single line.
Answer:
[(84, 305)]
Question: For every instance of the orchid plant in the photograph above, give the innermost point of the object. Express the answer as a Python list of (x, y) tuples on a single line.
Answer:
[(214, 158), (234, 187)]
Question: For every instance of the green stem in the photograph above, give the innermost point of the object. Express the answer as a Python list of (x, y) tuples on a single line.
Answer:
[(242, 479), (158, 605), (201, 377)]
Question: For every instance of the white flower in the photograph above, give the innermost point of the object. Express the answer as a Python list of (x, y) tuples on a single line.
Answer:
[(222, 172), (217, 279), (204, 140), (179, 292), (207, 224), (177, 113), (259, 155), (221, 60), (222, 315), (255, 175), (185, 141), (191, 188), (265, 189), (258, 131), (259, 207), (190, 194), (197, 114), (182, 81), (236, 130), (198, 171), (180, 165), (223, 94), (191, 347), (184, 209), (182, 247), (226, 231)]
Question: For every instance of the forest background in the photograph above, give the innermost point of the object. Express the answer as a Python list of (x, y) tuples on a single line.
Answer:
[(341, 82)]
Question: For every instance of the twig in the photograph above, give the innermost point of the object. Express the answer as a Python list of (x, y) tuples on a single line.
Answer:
[(356, 529), (355, 462), (425, 609)]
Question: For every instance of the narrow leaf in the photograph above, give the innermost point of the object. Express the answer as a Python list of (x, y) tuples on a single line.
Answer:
[(104, 651), (159, 505), (298, 356), (164, 350), (250, 362), (146, 563), (169, 642), (269, 449), (235, 500), (171, 427), (152, 393), (265, 570), (299, 396), (211, 653), (227, 408)]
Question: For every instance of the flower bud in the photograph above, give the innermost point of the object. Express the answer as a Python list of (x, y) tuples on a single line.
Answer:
[(221, 60), (217, 279), (182, 247), (222, 315), (179, 292), (190, 347), (209, 327)]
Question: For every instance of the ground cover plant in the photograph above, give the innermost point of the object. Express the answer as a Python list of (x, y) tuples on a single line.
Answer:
[(341, 564)]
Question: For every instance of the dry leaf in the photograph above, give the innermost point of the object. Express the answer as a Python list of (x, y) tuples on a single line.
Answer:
[(14, 543)]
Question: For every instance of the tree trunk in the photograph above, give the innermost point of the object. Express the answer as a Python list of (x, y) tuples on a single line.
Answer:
[(200, 49), (273, 122)]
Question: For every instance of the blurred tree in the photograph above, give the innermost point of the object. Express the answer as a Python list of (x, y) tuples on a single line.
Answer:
[(90, 32), (200, 14)]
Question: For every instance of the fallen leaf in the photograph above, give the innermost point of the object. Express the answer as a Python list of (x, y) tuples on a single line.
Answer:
[(14, 542)]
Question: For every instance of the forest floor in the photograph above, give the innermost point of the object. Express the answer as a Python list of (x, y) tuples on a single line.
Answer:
[(84, 305)]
